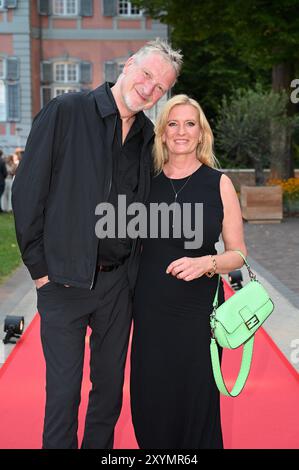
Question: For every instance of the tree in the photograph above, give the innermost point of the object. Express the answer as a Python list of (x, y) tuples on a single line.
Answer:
[(212, 69), (269, 32), (244, 127), (265, 34)]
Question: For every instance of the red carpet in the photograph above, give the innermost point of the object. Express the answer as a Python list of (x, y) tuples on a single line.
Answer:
[(266, 415)]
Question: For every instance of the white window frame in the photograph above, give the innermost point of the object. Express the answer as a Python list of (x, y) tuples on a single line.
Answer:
[(65, 89), (65, 13), (3, 118), (66, 65), (129, 11), (1, 4), (62, 85), (3, 60)]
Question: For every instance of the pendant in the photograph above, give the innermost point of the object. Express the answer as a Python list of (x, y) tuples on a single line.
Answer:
[(173, 220)]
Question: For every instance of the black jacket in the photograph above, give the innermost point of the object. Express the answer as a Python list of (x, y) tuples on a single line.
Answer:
[(65, 172)]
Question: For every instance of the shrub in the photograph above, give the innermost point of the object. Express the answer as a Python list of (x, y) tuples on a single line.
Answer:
[(245, 126)]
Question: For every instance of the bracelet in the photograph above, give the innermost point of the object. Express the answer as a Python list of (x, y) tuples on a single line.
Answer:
[(211, 273)]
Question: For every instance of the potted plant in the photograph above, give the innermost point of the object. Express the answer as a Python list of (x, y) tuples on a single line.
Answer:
[(243, 132)]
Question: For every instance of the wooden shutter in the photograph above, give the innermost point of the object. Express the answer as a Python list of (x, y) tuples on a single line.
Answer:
[(47, 72), (10, 3), (86, 8), (109, 7), (13, 68), (44, 7), (111, 71), (13, 102), (46, 95), (85, 72)]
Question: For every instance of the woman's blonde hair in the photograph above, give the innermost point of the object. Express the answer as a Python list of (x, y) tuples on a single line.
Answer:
[(204, 150)]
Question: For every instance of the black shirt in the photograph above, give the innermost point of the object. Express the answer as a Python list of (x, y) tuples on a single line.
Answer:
[(125, 177)]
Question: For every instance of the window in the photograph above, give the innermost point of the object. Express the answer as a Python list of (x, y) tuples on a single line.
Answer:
[(2, 101), (10, 110), (4, 4), (64, 77), (62, 91), (60, 72), (2, 68), (47, 93), (66, 73), (127, 9), (112, 69), (13, 101), (65, 7)]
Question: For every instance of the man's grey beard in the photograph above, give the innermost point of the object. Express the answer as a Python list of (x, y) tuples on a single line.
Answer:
[(134, 109)]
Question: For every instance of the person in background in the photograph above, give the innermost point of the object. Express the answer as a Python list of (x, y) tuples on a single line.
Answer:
[(3, 174), (19, 152), (12, 163)]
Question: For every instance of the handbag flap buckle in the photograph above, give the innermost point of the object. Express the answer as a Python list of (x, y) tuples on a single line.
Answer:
[(252, 322), (249, 318)]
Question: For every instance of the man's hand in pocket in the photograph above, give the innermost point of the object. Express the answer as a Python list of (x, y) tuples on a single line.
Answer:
[(41, 282)]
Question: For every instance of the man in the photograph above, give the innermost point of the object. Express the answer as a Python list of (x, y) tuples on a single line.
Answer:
[(83, 149), (3, 175)]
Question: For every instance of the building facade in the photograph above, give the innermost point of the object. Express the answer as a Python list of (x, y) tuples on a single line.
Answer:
[(50, 47)]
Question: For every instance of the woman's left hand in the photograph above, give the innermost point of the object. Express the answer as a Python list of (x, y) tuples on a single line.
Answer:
[(188, 269)]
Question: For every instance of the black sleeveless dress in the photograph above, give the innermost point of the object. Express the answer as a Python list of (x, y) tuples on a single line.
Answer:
[(174, 400)]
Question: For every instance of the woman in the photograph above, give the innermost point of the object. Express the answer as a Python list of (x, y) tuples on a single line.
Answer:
[(174, 399)]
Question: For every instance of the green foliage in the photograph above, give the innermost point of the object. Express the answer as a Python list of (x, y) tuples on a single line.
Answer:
[(213, 68), (245, 39), (245, 125), (9, 252), (296, 147), (266, 30), (232, 45)]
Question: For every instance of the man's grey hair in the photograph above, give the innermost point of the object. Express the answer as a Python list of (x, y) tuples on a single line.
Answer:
[(160, 46)]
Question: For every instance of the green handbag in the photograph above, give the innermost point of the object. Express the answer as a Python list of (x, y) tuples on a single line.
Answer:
[(234, 323)]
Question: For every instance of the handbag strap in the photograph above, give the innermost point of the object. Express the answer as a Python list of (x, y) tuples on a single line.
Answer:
[(247, 350), (251, 275), (243, 372)]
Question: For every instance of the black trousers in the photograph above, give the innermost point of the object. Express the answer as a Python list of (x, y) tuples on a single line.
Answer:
[(65, 314)]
